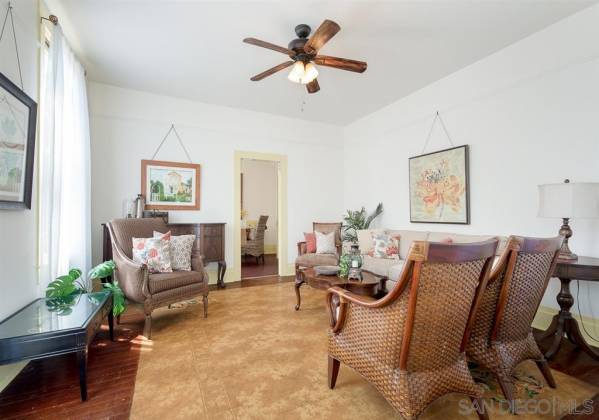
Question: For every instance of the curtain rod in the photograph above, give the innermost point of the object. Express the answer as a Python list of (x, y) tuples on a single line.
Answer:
[(51, 18)]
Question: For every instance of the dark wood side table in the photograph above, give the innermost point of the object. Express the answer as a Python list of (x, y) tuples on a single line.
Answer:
[(210, 238), (370, 285), (563, 323), (51, 327)]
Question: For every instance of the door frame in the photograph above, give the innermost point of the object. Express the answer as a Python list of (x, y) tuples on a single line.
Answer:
[(283, 268)]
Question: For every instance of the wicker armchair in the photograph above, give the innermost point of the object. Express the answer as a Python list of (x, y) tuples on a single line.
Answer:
[(160, 289), (502, 334), (255, 247), (305, 259), (411, 343)]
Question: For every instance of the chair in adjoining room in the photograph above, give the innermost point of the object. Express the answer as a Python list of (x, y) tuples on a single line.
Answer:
[(502, 334), (411, 343), (154, 290), (255, 247)]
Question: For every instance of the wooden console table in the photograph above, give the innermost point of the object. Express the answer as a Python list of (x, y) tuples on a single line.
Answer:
[(563, 323), (211, 237)]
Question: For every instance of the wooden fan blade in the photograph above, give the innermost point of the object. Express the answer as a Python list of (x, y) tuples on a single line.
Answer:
[(272, 71), (340, 63), (268, 45), (313, 86), (325, 31)]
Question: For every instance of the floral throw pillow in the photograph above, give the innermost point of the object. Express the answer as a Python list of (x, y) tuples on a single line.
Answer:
[(180, 249), (154, 252), (384, 246)]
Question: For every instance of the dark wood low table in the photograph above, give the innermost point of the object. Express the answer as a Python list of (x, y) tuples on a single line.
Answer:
[(371, 285), (51, 327), (563, 323)]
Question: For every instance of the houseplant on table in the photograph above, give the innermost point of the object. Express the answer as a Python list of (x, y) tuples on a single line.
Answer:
[(355, 220)]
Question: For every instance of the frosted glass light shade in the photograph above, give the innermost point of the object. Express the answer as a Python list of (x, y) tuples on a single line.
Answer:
[(310, 73), (297, 72), (572, 200)]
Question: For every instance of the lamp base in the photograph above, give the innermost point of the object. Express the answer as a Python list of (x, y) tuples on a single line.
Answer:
[(566, 232)]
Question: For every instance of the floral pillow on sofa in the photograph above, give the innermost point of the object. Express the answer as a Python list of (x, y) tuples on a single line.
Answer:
[(384, 246), (154, 252)]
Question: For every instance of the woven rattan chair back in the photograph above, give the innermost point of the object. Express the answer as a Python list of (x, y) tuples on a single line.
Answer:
[(260, 228)]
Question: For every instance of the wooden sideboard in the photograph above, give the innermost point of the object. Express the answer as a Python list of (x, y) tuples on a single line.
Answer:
[(210, 239)]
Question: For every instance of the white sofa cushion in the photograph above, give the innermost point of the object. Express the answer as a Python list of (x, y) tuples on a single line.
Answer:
[(406, 239), (365, 239), (378, 266)]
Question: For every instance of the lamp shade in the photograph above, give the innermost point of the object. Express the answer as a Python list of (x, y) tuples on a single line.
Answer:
[(569, 199)]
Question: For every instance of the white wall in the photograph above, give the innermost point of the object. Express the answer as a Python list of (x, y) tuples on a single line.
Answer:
[(18, 250), (530, 114), (260, 195), (127, 126)]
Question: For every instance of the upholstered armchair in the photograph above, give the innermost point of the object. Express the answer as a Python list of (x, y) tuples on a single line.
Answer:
[(153, 290), (502, 334), (255, 247), (411, 343), (305, 259)]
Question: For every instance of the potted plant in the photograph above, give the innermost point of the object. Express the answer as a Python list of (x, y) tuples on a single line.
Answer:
[(66, 288), (355, 220)]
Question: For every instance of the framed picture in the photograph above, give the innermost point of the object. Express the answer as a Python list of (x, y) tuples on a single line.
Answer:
[(170, 185), (18, 113), (439, 187)]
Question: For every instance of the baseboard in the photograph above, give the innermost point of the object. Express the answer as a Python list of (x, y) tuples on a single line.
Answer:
[(9, 372), (545, 315)]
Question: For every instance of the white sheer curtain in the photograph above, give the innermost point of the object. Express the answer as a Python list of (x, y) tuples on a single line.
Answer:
[(64, 157)]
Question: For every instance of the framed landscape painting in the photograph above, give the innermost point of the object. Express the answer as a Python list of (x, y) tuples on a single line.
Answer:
[(18, 113), (439, 187), (170, 185)]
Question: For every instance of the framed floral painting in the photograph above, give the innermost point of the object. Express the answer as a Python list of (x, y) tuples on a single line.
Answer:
[(170, 185), (18, 114), (439, 187)]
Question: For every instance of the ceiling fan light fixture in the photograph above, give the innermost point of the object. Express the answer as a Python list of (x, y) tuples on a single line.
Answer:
[(310, 73), (297, 72)]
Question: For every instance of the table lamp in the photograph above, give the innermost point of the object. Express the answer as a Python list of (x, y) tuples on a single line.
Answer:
[(569, 200)]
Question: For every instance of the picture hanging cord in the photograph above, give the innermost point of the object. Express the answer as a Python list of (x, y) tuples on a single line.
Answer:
[(14, 34), (428, 137), (174, 130)]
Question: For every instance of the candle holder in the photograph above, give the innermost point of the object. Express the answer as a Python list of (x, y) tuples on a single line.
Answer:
[(355, 261)]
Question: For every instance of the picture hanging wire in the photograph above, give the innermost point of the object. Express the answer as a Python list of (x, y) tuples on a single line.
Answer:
[(174, 130), (14, 34), (428, 137)]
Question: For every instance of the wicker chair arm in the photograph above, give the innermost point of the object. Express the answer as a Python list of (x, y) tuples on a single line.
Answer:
[(302, 248)]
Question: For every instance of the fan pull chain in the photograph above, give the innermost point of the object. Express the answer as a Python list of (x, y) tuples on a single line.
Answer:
[(14, 34)]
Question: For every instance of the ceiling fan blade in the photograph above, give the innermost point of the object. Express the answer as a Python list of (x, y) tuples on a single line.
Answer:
[(313, 86), (325, 31), (268, 45), (272, 71), (340, 63)]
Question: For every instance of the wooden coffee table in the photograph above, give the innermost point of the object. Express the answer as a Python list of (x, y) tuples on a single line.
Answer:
[(371, 285)]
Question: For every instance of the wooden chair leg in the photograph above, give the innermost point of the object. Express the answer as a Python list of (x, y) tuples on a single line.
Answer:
[(507, 387), (205, 306), (479, 406), (148, 327), (333, 371), (546, 371)]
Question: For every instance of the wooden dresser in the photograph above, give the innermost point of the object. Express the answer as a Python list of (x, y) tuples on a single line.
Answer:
[(211, 238)]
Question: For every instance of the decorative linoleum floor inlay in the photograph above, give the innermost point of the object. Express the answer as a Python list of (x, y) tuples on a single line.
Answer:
[(256, 357)]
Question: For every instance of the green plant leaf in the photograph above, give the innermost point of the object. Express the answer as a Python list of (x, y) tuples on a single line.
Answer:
[(63, 286), (118, 298), (74, 273), (102, 270)]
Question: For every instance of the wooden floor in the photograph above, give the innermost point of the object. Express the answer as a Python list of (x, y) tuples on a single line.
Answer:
[(49, 388), (251, 269)]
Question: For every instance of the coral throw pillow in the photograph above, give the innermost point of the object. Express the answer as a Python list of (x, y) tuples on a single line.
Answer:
[(310, 239), (154, 252), (180, 249), (384, 246), (325, 243)]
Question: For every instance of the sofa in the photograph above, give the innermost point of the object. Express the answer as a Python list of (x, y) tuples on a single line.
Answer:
[(390, 268)]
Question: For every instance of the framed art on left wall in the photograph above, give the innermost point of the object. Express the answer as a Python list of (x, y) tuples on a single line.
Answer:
[(170, 185), (18, 113)]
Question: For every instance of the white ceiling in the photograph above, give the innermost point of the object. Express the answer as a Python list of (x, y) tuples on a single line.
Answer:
[(193, 49)]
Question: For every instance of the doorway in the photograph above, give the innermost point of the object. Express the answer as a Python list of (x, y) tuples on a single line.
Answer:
[(260, 203)]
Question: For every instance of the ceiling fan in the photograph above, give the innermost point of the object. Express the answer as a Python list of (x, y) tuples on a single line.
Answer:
[(303, 54)]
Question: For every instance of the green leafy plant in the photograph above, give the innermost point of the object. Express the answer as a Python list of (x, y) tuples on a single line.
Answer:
[(70, 285), (356, 220)]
